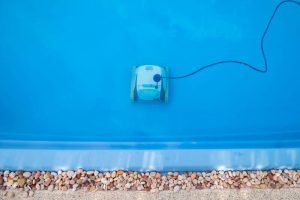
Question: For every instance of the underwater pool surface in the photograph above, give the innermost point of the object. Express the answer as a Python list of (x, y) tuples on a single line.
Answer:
[(65, 70)]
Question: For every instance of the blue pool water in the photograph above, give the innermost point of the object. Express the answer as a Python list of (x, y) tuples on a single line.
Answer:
[(65, 69)]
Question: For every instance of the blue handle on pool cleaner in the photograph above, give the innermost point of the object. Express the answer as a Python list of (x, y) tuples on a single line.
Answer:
[(157, 78)]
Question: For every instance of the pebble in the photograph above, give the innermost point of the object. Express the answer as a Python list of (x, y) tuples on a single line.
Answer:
[(113, 174), (107, 175), (176, 188), (70, 174), (72, 182), (26, 174), (53, 173), (120, 172), (75, 186), (11, 175), (37, 186), (6, 173), (149, 181), (90, 173), (37, 175), (193, 176), (10, 182), (157, 175), (21, 182)]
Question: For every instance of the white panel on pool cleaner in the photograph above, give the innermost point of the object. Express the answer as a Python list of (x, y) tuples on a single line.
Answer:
[(145, 88)]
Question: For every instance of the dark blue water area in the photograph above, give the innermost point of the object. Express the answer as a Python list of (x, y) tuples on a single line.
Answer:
[(65, 70)]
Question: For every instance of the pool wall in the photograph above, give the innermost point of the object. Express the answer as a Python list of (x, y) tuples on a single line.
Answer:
[(151, 160)]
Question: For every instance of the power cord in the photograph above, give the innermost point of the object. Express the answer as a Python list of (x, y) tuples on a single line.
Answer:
[(157, 77)]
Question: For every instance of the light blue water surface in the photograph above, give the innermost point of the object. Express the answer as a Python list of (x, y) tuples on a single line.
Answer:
[(65, 69)]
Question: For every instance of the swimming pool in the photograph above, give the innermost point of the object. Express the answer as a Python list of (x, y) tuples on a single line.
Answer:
[(65, 70)]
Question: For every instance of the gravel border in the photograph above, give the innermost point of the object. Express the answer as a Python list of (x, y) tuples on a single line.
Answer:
[(30, 182)]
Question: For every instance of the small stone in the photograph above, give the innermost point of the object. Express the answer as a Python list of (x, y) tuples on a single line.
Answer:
[(193, 176), (27, 188), (92, 188), (157, 175), (10, 182), (37, 187), (47, 182), (12, 175), (113, 174), (104, 181), (152, 174), (161, 188), (75, 186), (6, 173), (37, 174), (140, 188), (153, 186), (107, 175), (127, 185), (70, 174), (120, 172), (245, 180), (54, 174), (90, 173), (26, 174), (21, 182), (176, 188), (252, 175), (15, 185)]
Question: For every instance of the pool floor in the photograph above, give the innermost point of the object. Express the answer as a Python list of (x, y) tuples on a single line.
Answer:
[(65, 70)]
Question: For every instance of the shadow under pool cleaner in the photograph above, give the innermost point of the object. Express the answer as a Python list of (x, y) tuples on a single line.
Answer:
[(150, 82)]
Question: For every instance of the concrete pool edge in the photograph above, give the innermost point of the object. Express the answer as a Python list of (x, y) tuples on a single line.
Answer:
[(150, 160)]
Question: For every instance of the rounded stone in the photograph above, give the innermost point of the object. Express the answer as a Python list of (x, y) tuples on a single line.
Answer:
[(176, 188), (26, 174), (70, 174), (21, 182)]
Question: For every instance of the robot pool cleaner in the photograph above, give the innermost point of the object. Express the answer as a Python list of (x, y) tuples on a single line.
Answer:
[(147, 84), (150, 82)]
